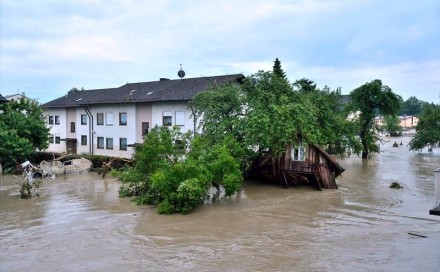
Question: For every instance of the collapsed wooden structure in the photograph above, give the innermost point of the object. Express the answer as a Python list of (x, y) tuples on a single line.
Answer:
[(317, 168)]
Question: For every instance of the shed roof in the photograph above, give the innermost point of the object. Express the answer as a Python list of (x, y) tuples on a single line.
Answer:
[(153, 91)]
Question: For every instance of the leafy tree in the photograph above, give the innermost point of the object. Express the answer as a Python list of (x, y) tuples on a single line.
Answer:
[(277, 70), (336, 133), (223, 110), (276, 116), (412, 106), (22, 131), (428, 129), (75, 90), (392, 125), (266, 114), (372, 99), (304, 85), (175, 172)]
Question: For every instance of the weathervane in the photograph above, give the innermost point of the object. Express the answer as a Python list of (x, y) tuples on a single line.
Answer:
[(181, 73)]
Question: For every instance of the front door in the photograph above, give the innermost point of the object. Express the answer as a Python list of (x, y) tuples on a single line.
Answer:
[(71, 146)]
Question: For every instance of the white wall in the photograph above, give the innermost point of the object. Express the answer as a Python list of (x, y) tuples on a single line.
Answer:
[(57, 130), (115, 130), (173, 107), (136, 114)]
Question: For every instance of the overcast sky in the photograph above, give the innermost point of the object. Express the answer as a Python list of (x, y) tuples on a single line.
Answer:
[(48, 47)]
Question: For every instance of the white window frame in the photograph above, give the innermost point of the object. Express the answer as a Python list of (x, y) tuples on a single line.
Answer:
[(167, 114), (109, 118), (180, 118)]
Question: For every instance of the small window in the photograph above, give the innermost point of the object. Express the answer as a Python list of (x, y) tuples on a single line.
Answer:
[(122, 143), (167, 119), (122, 118), (72, 126), (83, 139), (57, 120), (51, 139), (50, 120), (83, 119), (100, 119), (180, 118), (145, 128), (101, 142), (57, 139), (109, 143), (109, 118)]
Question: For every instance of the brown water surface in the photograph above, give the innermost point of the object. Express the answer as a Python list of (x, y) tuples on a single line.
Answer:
[(79, 224)]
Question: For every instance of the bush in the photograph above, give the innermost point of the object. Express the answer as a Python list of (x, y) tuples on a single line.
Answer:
[(176, 175)]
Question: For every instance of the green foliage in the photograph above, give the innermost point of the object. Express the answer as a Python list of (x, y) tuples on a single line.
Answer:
[(277, 70), (334, 131), (304, 85), (412, 106), (221, 108), (372, 99), (392, 125), (22, 131), (428, 129), (75, 90), (276, 116), (176, 176), (267, 113)]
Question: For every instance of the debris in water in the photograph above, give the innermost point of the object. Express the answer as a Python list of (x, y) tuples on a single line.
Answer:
[(396, 185), (418, 235)]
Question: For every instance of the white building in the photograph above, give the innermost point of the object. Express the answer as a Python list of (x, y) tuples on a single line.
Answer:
[(110, 121)]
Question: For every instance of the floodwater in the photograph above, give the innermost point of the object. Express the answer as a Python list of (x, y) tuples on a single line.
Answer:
[(78, 223)]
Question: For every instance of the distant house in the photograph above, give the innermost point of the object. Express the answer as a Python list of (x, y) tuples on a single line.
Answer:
[(406, 121), (17, 97), (379, 121), (110, 121)]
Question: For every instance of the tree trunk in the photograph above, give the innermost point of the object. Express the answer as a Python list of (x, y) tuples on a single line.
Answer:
[(364, 154)]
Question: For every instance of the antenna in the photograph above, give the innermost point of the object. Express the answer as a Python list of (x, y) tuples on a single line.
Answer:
[(181, 73)]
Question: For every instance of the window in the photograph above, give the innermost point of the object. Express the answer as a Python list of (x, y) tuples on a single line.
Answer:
[(83, 139), (109, 118), (83, 119), (100, 142), (100, 119), (145, 127), (57, 139), (109, 143), (50, 138), (50, 120), (180, 118), (122, 118), (167, 119), (122, 143), (72, 126), (57, 120)]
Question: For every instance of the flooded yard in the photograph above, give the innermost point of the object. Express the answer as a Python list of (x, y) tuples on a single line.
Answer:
[(78, 223)]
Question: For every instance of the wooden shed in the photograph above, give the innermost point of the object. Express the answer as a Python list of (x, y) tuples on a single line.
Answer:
[(313, 166)]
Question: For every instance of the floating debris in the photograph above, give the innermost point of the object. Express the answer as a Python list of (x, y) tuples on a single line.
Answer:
[(396, 185)]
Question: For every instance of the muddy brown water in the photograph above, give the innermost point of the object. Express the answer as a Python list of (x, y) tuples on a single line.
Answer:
[(78, 223)]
